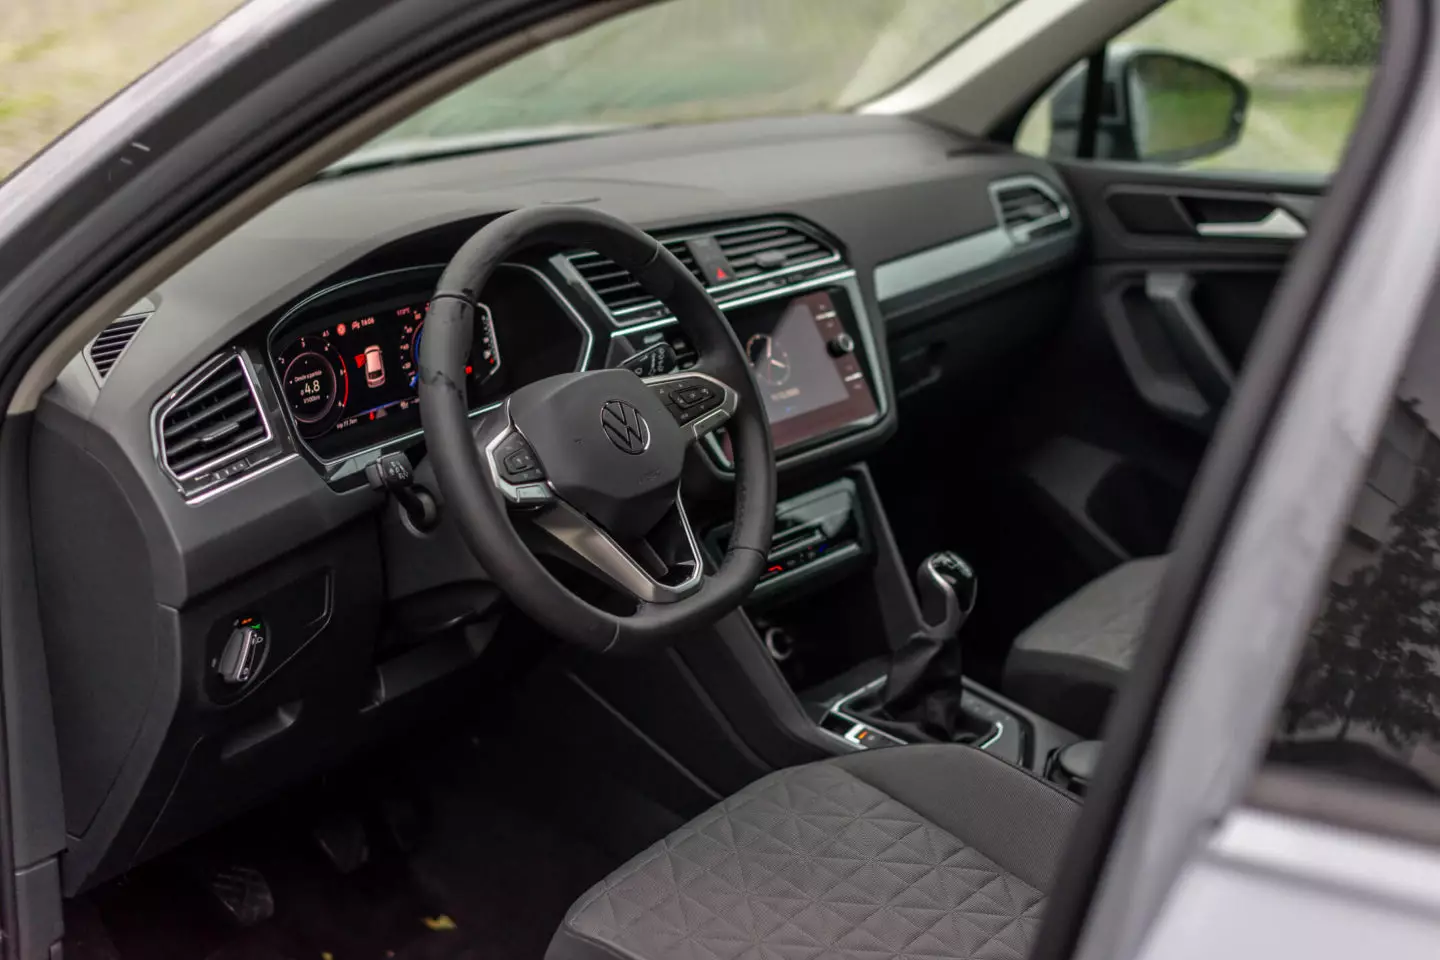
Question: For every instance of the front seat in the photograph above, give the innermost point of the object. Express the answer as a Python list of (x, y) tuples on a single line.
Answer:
[(1068, 665), (934, 850)]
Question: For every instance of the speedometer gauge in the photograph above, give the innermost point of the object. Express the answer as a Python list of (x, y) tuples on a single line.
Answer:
[(315, 382), (484, 355)]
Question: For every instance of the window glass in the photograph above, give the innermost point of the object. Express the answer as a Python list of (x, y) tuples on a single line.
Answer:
[(59, 59), (1365, 701), (691, 61), (1306, 65)]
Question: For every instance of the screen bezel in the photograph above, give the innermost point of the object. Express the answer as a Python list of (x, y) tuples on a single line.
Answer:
[(842, 297)]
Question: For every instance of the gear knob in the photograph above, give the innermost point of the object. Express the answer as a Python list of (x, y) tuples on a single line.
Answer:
[(947, 587)]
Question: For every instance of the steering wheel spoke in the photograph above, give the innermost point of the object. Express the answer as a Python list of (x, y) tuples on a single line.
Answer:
[(699, 403), (513, 466), (663, 566)]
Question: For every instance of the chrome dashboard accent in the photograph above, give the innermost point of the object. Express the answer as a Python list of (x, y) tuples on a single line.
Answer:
[(896, 278), (777, 293), (838, 708), (228, 485), (1024, 233), (178, 395), (564, 264)]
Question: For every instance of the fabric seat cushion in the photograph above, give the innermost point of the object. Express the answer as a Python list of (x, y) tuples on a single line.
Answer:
[(1068, 665), (925, 851)]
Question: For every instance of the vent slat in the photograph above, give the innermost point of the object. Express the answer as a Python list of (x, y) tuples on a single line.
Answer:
[(1028, 211), (213, 423), (751, 252), (106, 348)]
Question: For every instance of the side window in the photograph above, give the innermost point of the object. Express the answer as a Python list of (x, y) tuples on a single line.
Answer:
[(1261, 85), (1365, 700)]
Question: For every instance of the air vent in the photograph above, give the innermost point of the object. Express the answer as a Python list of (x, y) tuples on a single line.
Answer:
[(769, 248), (212, 423), (1029, 208), (619, 291), (105, 349), (734, 257)]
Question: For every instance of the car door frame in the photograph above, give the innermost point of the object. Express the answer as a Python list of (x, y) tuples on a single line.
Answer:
[(1189, 731)]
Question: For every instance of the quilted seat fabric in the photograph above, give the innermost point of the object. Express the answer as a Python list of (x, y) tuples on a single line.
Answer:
[(1068, 665), (814, 862)]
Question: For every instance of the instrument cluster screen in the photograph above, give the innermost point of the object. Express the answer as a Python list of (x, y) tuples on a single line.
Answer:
[(347, 360), (351, 371)]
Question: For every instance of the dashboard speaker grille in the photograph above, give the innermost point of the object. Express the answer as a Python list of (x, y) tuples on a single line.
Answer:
[(106, 349), (215, 420), (1029, 208)]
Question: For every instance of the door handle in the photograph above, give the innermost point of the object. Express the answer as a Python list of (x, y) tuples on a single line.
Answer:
[(1279, 224)]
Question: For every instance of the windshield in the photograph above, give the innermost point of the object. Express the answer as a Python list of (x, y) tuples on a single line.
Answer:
[(695, 61)]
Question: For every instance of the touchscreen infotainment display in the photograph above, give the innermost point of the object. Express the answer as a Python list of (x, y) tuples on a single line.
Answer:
[(804, 362)]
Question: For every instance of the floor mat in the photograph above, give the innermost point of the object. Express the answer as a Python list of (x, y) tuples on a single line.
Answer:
[(490, 878)]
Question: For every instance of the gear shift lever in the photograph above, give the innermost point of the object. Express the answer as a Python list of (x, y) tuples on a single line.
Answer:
[(922, 690), (947, 588)]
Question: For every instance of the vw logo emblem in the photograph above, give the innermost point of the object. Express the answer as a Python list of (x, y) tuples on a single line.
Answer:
[(625, 427)]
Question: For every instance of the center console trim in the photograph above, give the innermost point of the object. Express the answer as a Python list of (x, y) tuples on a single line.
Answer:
[(838, 709)]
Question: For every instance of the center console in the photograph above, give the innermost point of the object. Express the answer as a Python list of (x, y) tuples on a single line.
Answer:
[(837, 608)]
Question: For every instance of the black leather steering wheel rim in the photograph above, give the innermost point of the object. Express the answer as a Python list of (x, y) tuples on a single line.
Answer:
[(463, 473)]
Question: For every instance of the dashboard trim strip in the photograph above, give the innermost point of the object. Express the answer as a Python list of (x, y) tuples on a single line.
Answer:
[(615, 316), (228, 485), (778, 293)]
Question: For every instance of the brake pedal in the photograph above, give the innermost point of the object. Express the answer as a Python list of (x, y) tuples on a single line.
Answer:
[(344, 842), (404, 822), (243, 893)]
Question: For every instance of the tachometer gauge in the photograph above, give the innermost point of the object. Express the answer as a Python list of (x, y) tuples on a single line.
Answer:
[(485, 354), (315, 383)]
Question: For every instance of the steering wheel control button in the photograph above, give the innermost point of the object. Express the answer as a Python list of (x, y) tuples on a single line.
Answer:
[(244, 650), (532, 493), (517, 462)]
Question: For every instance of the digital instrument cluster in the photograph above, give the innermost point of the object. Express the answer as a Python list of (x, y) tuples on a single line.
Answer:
[(367, 368), (348, 361)]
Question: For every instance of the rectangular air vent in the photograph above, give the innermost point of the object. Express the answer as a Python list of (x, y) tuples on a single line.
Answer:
[(769, 248), (727, 259), (215, 421), (1029, 208), (619, 291), (105, 349)]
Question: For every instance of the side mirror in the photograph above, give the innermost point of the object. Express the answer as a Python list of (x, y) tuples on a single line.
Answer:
[(1155, 107)]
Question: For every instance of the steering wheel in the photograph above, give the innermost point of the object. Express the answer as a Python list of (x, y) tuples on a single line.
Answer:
[(594, 459)]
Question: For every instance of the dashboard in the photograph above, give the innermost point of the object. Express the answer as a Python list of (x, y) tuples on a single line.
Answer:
[(199, 469)]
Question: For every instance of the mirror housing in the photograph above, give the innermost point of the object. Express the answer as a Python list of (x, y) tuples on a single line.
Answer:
[(1155, 107)]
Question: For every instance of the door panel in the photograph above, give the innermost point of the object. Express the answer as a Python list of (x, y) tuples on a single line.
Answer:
[(1181, 267)]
